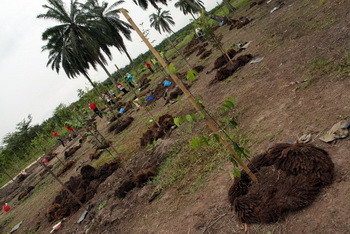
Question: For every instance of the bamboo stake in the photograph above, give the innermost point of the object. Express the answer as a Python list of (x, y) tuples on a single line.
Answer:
[(8, 175), (211, 124)]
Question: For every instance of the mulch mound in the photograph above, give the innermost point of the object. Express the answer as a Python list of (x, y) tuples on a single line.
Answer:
[(104, 146), (177, 92), (202, 48), (256, 3), (25, 192), (194, 45), (21, 177), (50, 156), (71, 151), (222, 60), (68, 166), (83, 186), (155, 132), (290, 176), (229, 69), (199, 68), (120, 125), (240, 23), (95, 155), (206, 54)]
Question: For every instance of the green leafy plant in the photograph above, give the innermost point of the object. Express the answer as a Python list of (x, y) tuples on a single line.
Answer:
[(102, 205), (191, 75), (229, 103)]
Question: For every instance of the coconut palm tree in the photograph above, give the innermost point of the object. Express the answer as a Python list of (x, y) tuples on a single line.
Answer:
[(144, 3), (190, 6), (107, 18), (162, 21), (74, 43)]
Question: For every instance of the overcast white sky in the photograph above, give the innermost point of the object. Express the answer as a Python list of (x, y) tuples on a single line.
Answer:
[(28, 86)]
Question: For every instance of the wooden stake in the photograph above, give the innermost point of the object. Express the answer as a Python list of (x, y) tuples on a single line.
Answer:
[(211, 124), (8, 175)]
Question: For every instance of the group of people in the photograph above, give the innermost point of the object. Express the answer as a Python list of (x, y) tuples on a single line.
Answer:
[(71, 131)]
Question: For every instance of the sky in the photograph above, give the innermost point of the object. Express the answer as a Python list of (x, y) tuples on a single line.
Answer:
[(28, 86)]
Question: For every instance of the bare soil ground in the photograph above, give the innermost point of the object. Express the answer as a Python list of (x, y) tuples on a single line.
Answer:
[(300, 87)]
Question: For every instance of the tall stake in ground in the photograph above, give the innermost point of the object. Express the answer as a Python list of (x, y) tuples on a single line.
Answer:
[(210, 122)]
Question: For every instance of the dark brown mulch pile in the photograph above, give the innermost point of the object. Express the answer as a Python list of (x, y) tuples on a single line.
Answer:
[(222, 60), (177, 92), (202, 48), (104, 146), (240, 23), (229, 69), (68, 166), (194, 45), (199, 68), (25, 192), (50, 156), (21, 177), (95, 155), (290, 176), (84, 186), (71, 151), (256, 3), (206, 54), (155, 132), (120, 125)]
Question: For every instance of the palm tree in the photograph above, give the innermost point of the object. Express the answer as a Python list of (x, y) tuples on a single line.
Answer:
[(144, 3), (190, 6), (75, 43), (107, 19), (162, 21), (61, 54)]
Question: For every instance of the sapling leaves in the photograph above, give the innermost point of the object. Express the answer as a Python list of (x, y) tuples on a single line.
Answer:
[(237, 172), (191, 75), (178, 121), (216, 137), (233, 123), (229, 103), (171, 69), (191, 118), (195, 142), (204, 141)]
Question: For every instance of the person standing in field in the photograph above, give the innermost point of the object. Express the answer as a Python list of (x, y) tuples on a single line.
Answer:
[(129, 78), (95, 109), (121, 88), (71, 131), (55, 134), (149, 67)]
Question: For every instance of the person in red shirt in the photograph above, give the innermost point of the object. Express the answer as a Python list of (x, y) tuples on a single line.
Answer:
[(149, 67), (95, 109), (6, 207), (55, 134), (121, 88), (72, 132)]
